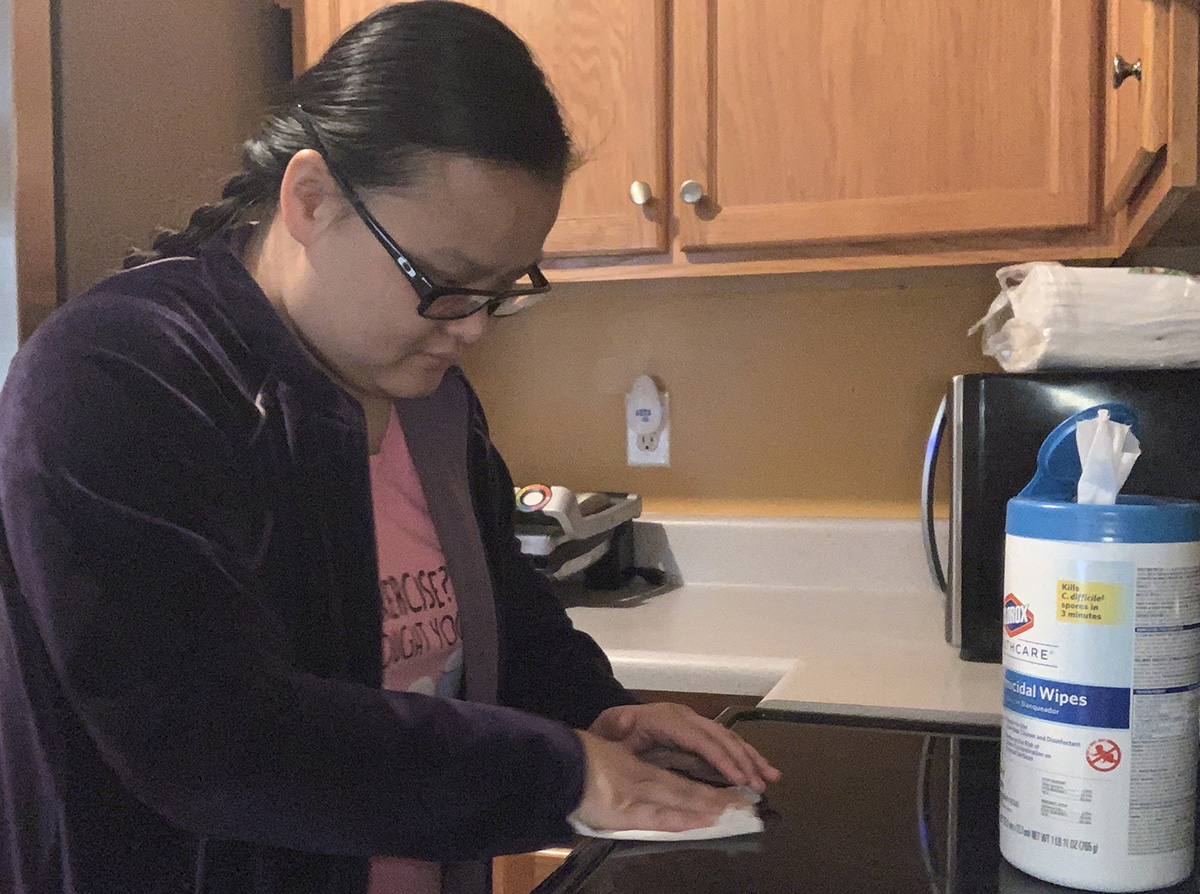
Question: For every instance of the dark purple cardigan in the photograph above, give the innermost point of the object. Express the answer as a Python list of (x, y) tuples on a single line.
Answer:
[(190, 618)]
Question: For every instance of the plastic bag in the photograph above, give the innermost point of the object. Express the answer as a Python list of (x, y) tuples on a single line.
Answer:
[(1051, 316)]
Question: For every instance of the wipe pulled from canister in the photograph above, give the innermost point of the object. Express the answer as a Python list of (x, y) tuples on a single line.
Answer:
[(1107, 452)]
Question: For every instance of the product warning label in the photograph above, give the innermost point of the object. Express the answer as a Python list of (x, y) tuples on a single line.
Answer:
[(1103, 755), (1090, 602)]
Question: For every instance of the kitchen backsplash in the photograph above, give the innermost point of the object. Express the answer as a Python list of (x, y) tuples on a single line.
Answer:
[(863, 555), (806, 395)]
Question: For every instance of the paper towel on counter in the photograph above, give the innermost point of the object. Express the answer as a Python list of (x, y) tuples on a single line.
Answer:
[(1107, 451), (732, 821)]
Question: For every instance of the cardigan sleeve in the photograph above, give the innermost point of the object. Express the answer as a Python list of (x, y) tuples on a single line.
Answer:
[(136, 536), (546, 665)]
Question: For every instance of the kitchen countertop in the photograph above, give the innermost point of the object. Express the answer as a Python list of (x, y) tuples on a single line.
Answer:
[(834, 615), (862, 806)]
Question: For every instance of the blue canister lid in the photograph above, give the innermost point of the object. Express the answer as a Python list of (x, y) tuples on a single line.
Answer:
[(1131, 520), (1058, 466), (1045, 508)]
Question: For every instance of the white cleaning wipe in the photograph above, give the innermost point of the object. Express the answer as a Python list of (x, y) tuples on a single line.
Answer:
[(1107, 451), (732, 821)]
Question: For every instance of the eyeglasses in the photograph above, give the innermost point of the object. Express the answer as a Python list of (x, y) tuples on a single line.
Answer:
[(435, 302)]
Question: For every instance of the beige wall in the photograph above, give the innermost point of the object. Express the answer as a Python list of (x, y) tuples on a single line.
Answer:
[(805, 394), (157, 96)]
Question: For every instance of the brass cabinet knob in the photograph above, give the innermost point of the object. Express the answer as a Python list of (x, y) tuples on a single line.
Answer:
[(639, 192), (691, 192), (1123, 70)]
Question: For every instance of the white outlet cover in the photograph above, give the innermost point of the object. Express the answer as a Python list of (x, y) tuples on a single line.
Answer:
[(660, 453)]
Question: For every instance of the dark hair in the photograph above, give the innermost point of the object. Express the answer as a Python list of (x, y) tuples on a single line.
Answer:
[(408, 80)]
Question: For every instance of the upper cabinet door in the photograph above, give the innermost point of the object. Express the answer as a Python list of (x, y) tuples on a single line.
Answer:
[(1136, 94), (862, 120), (607, 62), (1170, 120)]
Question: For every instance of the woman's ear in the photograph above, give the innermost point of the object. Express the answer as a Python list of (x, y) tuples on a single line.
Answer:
[(309, 198)]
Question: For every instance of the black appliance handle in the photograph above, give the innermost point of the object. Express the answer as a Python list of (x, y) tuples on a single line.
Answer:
[(932, 447)]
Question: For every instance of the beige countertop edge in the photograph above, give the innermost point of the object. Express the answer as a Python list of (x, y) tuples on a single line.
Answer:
[(879, 650), (890, 712), (686, 672), (899, 681), (891, 679), (944, 688)]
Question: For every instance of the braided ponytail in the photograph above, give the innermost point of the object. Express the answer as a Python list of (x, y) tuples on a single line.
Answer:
[(205, 222), (253, 189), (409, 79)]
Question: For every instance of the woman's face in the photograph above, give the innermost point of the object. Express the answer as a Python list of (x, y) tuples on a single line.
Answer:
[(465, 222)]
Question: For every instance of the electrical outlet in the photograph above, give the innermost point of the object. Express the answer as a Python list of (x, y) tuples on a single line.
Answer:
[(651, 448)]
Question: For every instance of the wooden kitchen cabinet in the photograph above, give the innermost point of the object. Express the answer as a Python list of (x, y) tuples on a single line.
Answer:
[(521, 873), (592, 51), (1136, 126), (838, 134), (1158, 131), (604, 49), (855, 120)]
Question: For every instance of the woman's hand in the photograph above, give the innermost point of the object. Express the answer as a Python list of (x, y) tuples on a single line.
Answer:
[(645, 728), (621, 791)]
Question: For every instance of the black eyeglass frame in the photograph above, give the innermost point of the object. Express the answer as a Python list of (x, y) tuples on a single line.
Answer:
[(427, 290)]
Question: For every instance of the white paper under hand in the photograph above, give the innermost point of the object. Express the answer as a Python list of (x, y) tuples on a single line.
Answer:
[(732, 821)]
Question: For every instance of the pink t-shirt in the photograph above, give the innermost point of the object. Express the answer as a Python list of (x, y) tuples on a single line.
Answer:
[(421, 648)]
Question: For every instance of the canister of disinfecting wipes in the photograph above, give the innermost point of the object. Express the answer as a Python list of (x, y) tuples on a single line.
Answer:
[(1101, 679)]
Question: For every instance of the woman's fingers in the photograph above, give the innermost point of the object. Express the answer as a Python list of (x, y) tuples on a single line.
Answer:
[(642, 727), (721, 748), (736, 758), (688, 763)]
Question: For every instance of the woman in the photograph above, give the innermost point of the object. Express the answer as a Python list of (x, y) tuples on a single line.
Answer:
[(221, 468)]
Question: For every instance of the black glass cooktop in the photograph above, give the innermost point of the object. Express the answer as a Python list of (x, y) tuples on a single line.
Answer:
[(865, 805)]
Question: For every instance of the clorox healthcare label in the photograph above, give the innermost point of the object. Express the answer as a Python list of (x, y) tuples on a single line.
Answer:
[(1101, 646)]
